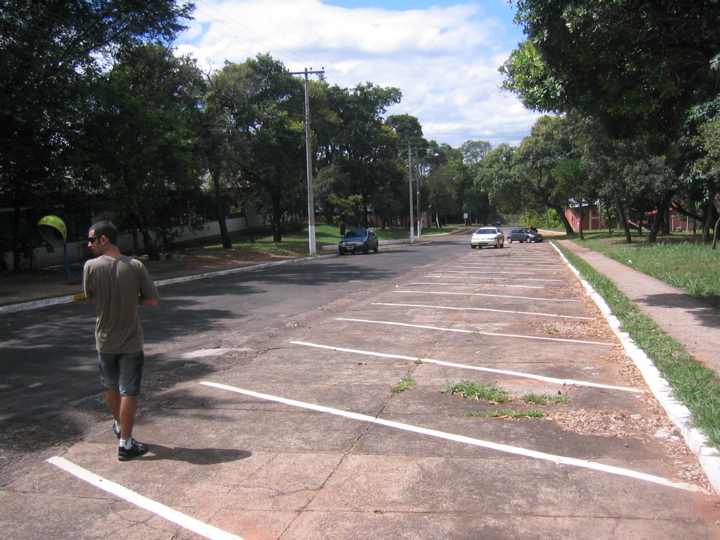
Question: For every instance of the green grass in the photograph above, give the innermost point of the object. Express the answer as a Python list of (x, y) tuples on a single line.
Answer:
[(472, 390), (680, 260), (693, 384), (406, 382), (544, 399)]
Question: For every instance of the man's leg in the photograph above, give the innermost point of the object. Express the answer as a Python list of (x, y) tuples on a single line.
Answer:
[(128, 404), (112, 398)]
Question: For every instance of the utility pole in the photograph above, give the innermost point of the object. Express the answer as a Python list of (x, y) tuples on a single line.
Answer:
[(412, 218), (308, 160)]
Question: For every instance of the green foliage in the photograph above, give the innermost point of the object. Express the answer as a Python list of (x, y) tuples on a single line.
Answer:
[(610, 60), (404, 383), (473, 390), (52, 53), (147, 112)]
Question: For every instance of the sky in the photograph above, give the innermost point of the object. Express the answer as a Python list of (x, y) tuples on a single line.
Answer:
[(443, 55)]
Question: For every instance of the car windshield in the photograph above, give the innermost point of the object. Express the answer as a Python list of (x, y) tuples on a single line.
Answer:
[(486, 231), (355, 233)]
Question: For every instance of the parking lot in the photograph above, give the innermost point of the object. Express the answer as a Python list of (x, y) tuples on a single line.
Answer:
[(346, 426)]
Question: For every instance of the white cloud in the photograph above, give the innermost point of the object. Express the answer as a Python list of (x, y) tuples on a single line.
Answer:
[(443, 59)]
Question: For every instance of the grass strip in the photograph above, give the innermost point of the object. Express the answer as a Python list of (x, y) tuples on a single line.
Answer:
[(693, 384)]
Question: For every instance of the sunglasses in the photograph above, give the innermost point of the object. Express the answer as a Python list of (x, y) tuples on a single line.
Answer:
[(92, 239)]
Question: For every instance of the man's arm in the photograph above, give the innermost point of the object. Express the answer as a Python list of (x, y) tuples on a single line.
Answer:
[(147, 301)]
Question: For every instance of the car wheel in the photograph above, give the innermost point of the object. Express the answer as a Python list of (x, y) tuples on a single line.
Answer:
[(501, 244), (472, 247), (377, 247), (342, 252), (509, 240)]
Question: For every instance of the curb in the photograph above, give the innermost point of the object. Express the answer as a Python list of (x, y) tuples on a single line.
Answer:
[(679, 414)]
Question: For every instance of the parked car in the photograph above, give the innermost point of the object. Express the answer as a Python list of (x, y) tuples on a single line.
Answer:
[(496, 223), (527, 234), (487, 236), (358, 240)]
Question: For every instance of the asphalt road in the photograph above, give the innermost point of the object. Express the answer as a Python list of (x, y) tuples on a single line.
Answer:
[(50, 391)]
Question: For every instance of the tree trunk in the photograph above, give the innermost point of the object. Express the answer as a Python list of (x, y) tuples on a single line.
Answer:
[(659, 217), (220, 210), (715, 233), (150, 245), (560, 211), (16, 249), (709, 215), (247, 223), (582, 237), (623, 220), (276, 218)]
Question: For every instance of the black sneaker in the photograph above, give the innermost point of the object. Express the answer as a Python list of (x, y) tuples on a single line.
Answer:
[(116, 429), (136, 450)]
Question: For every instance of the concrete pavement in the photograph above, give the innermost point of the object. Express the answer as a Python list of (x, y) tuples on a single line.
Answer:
[(307, 440)]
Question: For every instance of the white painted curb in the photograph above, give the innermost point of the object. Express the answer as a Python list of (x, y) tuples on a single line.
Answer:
[(707, 456)]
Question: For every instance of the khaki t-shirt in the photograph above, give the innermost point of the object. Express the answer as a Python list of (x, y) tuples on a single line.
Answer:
[(116, 285)]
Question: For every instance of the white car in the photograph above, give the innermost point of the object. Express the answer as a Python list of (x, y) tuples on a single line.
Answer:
[(487, 236)]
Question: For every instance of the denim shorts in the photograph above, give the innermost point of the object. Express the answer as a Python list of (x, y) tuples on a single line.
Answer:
[(123, 371)]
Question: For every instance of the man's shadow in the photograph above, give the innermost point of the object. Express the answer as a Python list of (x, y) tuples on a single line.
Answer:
[(196, 456)]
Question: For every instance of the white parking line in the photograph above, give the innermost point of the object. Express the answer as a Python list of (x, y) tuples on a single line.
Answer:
[(514, 312), (559, 460), (494, 272), (553, 380), (434, 275), (480, 284), (494, 267), (494, 296), (165, 512), (461, 331)]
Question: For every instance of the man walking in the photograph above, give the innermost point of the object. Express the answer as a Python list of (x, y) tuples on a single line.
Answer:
[(117, 285)]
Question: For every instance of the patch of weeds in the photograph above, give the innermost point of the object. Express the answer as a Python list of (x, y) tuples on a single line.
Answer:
[(472, 390), (507, 413), (544, 399), (406, 382), (552, 329)]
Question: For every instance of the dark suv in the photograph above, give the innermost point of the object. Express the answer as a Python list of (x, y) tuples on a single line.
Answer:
[(358, 240)]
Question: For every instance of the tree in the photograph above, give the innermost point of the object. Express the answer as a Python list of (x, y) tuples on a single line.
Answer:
[(51, 52), (636, 66), (496, 178), (709, 165), (139, 145), (627, 174), (362, 150), (474, 151), (260, 112), (536, 162)]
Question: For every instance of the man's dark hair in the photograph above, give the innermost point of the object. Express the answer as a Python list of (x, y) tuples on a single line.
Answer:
[(106, 229)]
